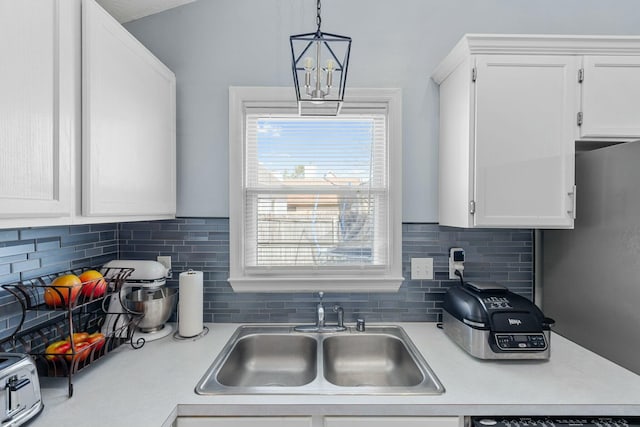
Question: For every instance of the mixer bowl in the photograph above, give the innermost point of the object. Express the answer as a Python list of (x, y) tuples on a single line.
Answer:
[(156, 304)]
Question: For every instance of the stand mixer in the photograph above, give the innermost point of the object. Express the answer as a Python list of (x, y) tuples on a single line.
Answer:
[(144, 292)]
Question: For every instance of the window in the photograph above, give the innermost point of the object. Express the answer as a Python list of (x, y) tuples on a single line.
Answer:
[(315, 202)]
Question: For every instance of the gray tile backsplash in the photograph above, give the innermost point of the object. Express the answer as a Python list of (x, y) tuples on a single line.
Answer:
[(504, 256), (27, 253)]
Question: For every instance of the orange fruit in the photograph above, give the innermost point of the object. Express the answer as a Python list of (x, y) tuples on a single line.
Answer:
[(59, 287)]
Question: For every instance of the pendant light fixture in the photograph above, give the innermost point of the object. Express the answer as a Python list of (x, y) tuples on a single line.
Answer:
[(319, 64)]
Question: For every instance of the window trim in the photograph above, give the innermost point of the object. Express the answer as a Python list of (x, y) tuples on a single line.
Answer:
[(242, 278)]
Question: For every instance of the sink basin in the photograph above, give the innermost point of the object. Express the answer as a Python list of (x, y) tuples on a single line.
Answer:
[(270, 360), (279, 360), (369, 360)]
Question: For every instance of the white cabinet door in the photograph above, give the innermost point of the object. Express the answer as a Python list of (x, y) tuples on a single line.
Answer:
[(525, 128), (129, 157), (35, 121), (455, 162), (611, 97), (392, 422), (326, 422), (243, 422)]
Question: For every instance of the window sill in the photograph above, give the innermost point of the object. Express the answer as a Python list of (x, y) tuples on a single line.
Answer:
[(315, 284)]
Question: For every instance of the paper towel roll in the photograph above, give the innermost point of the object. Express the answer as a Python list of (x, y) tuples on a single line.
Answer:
[(190, 304)]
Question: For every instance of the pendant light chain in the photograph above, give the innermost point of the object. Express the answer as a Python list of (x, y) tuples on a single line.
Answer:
[(318, 18)]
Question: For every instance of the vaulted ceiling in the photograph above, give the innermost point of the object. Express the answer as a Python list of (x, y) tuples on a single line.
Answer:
[(128, 10)]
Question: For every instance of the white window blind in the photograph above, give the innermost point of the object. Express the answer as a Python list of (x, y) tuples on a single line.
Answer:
[(316, 191), (315, 202)]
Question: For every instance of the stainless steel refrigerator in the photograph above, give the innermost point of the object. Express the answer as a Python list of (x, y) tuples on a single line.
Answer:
[(591, 274)]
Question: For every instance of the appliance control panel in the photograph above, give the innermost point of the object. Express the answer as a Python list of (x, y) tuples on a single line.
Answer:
[(496, 303), (555, 421), (511, 342)]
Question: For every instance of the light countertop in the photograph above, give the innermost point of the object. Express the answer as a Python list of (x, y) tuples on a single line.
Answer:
[(153, 385)]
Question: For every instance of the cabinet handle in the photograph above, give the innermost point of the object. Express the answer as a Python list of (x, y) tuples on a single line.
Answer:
[(572, 194)]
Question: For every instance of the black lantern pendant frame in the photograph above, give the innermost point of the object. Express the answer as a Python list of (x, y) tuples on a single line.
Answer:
[(316, 97)]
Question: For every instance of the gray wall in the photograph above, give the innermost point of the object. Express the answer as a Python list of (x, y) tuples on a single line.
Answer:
[(214, 44)]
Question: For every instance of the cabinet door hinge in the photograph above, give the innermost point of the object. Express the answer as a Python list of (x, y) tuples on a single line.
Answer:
[(572, 194), (472, 207), (580, 75), (474, 74), (580, 118)]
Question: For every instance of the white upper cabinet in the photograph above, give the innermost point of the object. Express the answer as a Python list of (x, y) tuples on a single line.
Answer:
[(523, 144), (128, 144), (90, 113), (35, 121), (511, 110), (610, 97)]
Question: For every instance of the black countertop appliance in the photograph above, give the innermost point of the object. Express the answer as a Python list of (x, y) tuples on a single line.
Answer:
[(491, 322)]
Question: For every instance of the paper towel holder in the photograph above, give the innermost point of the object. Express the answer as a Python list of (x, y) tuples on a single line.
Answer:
[(177, 334)]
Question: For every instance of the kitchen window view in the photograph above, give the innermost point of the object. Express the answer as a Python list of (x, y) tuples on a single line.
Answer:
[(316, 191), (315, 199)]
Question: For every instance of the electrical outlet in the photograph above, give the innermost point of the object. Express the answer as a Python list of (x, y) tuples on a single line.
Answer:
[(421, 268), (456, 262)]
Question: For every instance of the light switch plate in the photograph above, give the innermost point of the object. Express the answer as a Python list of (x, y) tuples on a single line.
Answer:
[(421, 268)]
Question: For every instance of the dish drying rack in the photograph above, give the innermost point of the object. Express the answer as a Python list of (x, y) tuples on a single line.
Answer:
[(82, 313)]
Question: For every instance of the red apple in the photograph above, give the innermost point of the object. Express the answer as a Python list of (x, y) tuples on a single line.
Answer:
[(93, 284), (97, 340), (83, 350), (79, 337), (57, 348)]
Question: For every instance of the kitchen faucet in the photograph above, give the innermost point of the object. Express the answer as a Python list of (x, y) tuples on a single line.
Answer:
[(320, 325), (320, 312)]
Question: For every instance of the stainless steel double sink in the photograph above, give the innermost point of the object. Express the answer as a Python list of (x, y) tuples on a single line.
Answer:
[(279, 360)]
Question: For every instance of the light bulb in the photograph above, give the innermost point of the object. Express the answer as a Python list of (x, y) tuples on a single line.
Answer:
[(330, 65), (308, 63)]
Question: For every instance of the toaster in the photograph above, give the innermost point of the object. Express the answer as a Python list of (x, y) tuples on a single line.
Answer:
[(20, 398), (490, 322)]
